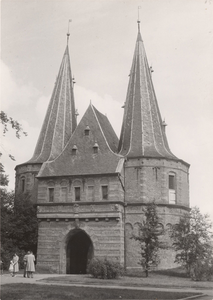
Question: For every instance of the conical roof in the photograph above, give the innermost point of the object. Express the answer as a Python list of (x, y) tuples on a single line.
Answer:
[(60, 119), (143, 132)]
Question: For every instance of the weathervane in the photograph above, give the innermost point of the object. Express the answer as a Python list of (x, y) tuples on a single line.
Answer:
[(68, 31), (139, 7)]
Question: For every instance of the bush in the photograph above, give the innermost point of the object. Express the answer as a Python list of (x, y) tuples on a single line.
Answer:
[(202, 270), (104, 269)]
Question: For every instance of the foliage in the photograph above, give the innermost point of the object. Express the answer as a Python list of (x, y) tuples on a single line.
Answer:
[(192, 241), (18, 222), (148, 237), (202, 269), (19, 228), (15, 125), (104, 269), (5, 120), (3, 177)]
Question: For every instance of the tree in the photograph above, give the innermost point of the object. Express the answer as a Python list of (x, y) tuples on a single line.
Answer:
[(148, 237), (19, 228), (15, 125), (5, 120), (192, 241)]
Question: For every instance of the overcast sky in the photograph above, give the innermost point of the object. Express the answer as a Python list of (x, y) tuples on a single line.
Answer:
[(178, 38)]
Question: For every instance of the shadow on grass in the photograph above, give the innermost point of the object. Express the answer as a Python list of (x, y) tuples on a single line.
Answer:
[(176, 272), (41, 292)]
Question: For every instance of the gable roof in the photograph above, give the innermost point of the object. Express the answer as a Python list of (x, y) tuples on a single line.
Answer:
[(85, 161), (60, 119), (143, 132)]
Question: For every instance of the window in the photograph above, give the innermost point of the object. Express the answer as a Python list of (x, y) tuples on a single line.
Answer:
[(77, 193), (64, 194), (51, 194), (23, 184), (172, 189), (91, 193), (104, 192), (171, 182)]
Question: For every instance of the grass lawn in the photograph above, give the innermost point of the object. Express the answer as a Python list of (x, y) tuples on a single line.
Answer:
[(21, 291)]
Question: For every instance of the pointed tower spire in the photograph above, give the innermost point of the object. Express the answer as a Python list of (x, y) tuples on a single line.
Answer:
[(142, 132), (60, 119)]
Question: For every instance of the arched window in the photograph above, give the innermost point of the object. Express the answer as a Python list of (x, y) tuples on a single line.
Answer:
[(172, 188)]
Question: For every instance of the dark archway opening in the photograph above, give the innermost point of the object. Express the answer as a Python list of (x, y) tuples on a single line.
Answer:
[(79, 251)]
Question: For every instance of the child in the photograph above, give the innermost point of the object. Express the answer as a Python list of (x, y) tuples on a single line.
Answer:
[(11, 268)]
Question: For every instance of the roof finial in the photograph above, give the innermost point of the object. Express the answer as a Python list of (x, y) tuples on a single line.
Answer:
[(68, 31), (139, 7)]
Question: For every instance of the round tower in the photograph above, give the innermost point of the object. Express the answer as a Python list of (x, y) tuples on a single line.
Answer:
[(151, 171)]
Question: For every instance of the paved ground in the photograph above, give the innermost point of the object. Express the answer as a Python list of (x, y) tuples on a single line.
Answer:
[(124, 283)]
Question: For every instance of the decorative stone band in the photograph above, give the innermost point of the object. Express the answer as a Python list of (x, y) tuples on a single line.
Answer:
[(83, 217)]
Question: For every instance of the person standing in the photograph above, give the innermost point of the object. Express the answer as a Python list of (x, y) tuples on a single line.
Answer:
[(30, 268), (11, 268), (15, 264), (2, 268), (25, 265)]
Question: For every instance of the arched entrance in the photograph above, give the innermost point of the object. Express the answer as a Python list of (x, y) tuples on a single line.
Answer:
[(79, 251)]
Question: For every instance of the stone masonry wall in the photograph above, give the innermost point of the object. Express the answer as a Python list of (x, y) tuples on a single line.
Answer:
[(115, 191), (28, 173), (133, 216), (107, 238), (147, 180)]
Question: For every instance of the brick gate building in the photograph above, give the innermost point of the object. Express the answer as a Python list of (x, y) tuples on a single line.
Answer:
[(91, 187)]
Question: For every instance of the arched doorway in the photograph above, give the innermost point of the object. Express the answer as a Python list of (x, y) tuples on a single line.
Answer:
[(79, 251)]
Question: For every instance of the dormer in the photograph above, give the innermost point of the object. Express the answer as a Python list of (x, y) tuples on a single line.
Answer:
[(87, 131)]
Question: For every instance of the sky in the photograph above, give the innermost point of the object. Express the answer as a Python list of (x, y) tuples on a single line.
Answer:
[(178, 39)]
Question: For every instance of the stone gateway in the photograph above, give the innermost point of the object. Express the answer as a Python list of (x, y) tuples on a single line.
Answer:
[(91, 187)]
